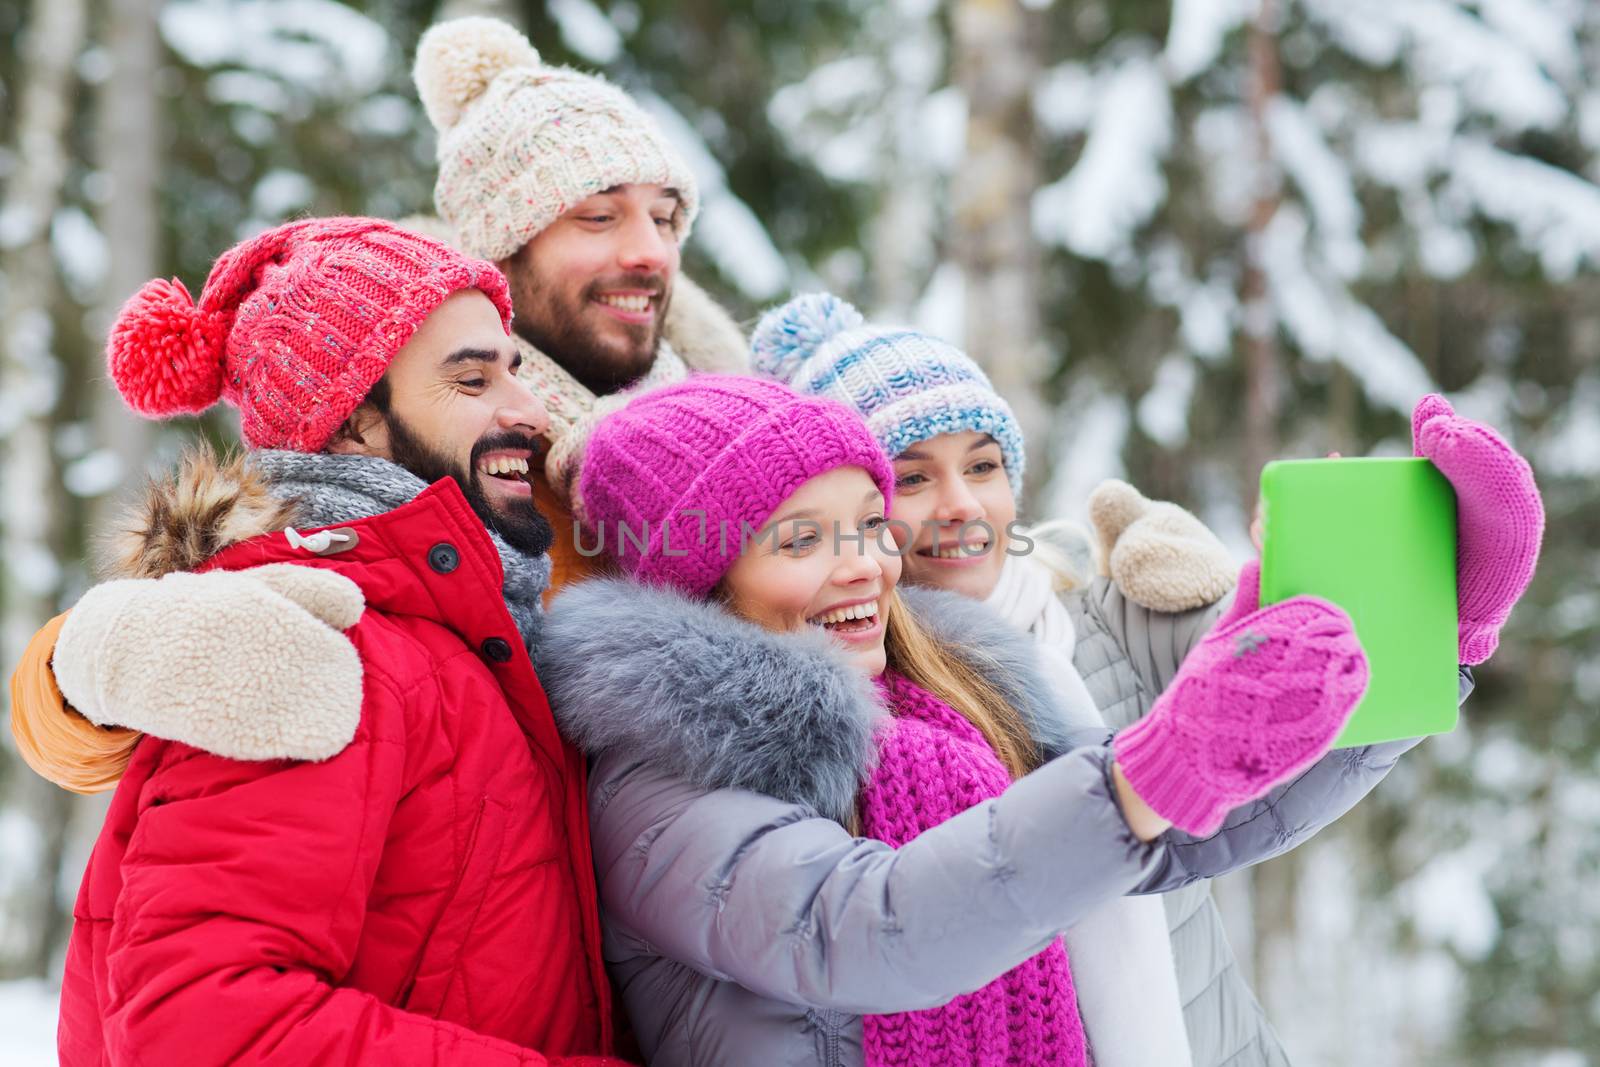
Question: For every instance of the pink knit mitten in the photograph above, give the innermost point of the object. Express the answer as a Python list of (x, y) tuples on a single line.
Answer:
[(1499, 519), (1258, 700)]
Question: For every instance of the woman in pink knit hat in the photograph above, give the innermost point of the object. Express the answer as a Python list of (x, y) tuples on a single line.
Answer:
[(839, 823)]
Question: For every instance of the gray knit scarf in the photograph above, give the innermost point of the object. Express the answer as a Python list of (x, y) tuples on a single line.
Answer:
[(333, 489)]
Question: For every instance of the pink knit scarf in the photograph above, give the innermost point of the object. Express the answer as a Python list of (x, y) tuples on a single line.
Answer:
[(932, 765)]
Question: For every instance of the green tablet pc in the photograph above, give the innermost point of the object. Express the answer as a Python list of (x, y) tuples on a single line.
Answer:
[(1378, 538)]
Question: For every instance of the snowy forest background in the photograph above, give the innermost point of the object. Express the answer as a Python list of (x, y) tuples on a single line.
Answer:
[(1184, 238)]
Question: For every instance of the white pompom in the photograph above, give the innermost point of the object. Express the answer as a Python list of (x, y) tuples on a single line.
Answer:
[(787, 336), (456, 61)]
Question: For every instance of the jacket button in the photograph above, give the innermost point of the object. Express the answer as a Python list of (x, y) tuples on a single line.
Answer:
[(443, 557), (497, 650)]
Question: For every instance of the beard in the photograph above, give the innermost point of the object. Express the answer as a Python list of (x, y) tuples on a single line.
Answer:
[(519, 523), (561, 325)]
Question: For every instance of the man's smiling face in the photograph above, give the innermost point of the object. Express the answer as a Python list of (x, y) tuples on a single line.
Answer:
[(591, 289), (451, 405)]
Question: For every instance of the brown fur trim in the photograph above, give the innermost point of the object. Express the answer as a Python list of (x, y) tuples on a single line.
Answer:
[(185, 518)]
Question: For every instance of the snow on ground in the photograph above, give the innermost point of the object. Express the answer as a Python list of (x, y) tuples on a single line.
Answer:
[(28, 1021)]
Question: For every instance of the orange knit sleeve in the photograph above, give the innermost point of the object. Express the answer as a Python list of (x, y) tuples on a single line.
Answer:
[(567, 564), (53, 738)]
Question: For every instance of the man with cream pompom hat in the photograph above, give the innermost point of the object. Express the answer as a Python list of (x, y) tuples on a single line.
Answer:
[(574, 191)]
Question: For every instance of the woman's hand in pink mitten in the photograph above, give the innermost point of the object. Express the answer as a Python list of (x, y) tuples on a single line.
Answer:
[(1499, 519), (1259, 699)]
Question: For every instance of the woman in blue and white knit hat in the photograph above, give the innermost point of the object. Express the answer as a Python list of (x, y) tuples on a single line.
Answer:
[(934, 412), (959, 464)]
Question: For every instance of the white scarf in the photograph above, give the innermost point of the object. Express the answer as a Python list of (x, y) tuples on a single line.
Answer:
[(1121, 952)]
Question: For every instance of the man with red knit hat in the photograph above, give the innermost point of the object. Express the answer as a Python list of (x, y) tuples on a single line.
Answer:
[(375, 850)]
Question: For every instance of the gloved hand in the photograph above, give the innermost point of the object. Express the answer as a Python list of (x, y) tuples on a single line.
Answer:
[(1499, 519), (249, 664), (1259, 699), (1160, 556)]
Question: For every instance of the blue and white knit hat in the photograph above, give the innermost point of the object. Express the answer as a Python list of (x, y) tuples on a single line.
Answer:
[(907, 385)]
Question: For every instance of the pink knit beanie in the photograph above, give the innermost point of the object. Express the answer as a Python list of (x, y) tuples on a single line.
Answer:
[(293, 327), (682, 469)]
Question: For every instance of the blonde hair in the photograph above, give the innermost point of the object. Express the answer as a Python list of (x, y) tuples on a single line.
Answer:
[(931, 664)]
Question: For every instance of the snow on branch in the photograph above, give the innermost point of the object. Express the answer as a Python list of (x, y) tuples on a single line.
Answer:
[(727, 229), (1327, 323), (1197, 32), (1117, 184), (1323, 179), (586, 30), (1499, 74), (318, 44), (1554, 213)]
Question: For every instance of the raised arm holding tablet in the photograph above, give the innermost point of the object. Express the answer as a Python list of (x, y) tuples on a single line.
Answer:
[(1427, 557)]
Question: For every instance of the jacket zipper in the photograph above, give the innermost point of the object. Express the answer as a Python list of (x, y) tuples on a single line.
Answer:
[(831, 1025)]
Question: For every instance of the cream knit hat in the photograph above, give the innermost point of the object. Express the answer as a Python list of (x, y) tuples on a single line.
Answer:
[(521, 143)]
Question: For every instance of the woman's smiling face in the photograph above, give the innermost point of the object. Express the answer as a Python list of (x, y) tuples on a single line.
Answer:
[(952, 495), (823, 559)]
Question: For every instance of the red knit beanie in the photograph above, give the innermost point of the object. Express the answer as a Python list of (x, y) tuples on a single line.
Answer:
[(293, 327)]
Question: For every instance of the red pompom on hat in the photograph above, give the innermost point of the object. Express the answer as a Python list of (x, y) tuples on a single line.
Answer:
[(293, 327), (164, 353)]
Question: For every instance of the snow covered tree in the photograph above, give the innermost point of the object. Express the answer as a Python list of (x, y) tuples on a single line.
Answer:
[(142, 143), (1347, 205)]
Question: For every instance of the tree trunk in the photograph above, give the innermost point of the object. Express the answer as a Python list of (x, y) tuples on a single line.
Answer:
[(996, 65), (30, 384), (128, 144), (906, 213), (1263, 375), (1274, 885), (129, 139)]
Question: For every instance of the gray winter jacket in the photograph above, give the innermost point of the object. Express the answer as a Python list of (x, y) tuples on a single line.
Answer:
[(743, 924), (1127, 654)]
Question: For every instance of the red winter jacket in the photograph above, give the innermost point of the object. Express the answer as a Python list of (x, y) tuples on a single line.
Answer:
[(424, 897)]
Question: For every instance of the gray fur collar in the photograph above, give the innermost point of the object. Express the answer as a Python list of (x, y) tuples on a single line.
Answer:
[(711, 698)]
